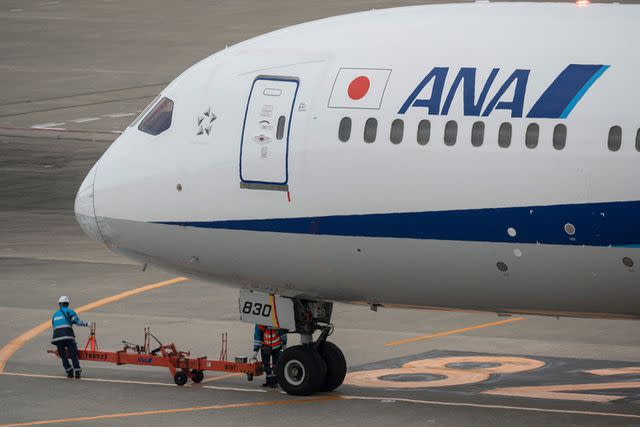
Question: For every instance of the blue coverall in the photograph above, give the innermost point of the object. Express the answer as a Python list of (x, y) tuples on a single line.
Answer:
[(62, 322)]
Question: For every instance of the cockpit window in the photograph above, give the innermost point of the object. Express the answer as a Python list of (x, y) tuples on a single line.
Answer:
[(158, 119), (144, 112)]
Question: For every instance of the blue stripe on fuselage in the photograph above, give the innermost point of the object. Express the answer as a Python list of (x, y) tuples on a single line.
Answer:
[(596, 224)]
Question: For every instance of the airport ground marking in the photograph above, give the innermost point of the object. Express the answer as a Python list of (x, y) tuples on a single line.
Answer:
[(562, 391), (177, 411), (452, 332), (250, 390), (337, 397), (345, 397), (445, 368), (100, 380), (115, 381), (14, 345), (221, 377), (489, 406)]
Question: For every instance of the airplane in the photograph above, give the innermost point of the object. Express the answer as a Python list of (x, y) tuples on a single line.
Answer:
[(471, 156)]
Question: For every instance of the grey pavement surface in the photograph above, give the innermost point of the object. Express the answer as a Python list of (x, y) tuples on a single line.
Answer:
[(72, 75)]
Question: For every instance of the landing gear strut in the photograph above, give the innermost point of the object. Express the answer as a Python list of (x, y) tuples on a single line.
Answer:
[(311, 366)]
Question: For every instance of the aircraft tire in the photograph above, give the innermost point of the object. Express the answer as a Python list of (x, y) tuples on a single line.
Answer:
[(301, 371), (336, 365)]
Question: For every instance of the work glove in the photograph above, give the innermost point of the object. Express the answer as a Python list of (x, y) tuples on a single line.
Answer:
[(83, 323)]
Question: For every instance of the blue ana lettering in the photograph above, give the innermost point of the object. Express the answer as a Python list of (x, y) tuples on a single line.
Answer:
[(471, 107), (432, 104), (557, 101)]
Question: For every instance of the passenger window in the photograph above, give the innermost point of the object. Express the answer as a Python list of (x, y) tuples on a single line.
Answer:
[(615, 138), (638, 140), (424, 132), (344, 130), (370, 130), (280, 127), (450, 133), (159, 118), (397, 131), (559, 137), (477, 134), (532, 136), (504, 135)]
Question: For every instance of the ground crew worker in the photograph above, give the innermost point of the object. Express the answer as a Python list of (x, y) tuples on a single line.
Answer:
[(64, 338), (269, 341)]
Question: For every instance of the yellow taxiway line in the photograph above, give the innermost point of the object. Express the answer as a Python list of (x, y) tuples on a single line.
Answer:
[(175, 411), (453, 332), (14, 345)]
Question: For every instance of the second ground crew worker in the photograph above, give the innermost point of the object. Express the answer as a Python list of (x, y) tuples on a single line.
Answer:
[(269, 341), (64, 338)]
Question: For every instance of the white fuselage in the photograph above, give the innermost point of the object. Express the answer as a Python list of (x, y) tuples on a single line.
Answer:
[(549, 229)]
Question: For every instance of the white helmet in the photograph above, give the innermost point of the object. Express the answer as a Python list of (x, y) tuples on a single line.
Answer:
[(63, 299)]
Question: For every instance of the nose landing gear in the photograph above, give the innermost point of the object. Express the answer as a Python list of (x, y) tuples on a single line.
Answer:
[(301, 371), (311, 366)]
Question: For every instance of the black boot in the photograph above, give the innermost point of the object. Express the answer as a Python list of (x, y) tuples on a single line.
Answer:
[(70, 374), (273, 383), (78, 374)]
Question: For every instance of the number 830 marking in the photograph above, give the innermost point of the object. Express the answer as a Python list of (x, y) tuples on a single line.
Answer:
[(257, 309)]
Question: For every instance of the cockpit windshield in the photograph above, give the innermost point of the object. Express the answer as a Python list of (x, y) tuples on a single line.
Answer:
[(158, 119)]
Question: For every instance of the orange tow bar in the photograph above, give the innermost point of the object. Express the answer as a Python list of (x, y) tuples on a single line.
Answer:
[(181, 366)]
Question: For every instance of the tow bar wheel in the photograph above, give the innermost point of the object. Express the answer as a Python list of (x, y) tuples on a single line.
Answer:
[(301, 371), (180, 378), (197, 376)]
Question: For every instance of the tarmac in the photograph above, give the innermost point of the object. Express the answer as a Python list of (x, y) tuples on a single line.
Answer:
[(73, 74)]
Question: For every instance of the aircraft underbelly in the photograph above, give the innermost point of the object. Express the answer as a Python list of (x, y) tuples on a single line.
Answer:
[(403, 271)]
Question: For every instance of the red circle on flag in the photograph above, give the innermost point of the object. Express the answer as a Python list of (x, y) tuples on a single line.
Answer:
[(358, 87)]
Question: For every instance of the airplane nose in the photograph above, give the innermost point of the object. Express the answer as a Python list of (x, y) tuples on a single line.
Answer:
[(84, 207)]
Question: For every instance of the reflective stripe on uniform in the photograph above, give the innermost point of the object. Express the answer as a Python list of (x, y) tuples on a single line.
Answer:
[(271, 338), (63, 338)]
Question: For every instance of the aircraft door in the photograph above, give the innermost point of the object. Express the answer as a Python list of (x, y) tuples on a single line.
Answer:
[(264, 149)]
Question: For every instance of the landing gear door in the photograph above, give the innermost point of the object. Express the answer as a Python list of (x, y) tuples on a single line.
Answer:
[(267, 309), (264, 149)]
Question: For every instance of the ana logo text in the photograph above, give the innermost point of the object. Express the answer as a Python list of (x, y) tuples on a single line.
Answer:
[(556, 102)]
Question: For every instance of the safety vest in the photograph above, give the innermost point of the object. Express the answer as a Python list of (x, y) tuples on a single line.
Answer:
[(270, 337)]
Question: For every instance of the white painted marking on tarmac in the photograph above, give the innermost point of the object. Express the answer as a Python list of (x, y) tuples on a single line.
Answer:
[(49, 3), (234, 389), (16, 10), (116, 115), (85, 119), (55, 18), (105, 380), (488, 406), (48, 126), (100, 380)]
